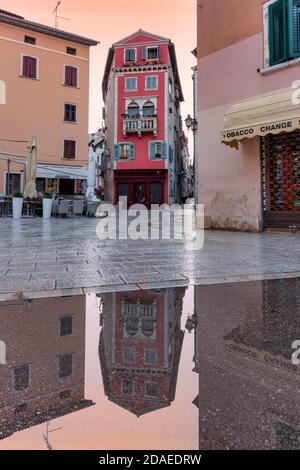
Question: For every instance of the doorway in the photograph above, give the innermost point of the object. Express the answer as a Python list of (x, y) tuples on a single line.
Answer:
[(66, 187), (12, 183)]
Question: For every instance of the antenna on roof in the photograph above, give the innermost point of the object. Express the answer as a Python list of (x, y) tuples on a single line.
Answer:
[(55, 12)]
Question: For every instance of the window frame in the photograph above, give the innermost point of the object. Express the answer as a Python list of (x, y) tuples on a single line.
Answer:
[(71, 48), (23, 55), (151, 88), (58, 366), (78, 76), (30, 40), (152, 47), (163, 146), (136, 84), (76, 113), (135, 54), (29, 377), (72, 326), (152, 350), (63, 148)]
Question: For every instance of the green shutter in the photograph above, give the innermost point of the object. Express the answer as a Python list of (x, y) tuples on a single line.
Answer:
[(116, 152), (132, 156), (278, 33), (294, 28), (164, 150), (152, 150)]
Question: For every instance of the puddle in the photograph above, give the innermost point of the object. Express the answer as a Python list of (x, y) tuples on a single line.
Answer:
[(120, 370)]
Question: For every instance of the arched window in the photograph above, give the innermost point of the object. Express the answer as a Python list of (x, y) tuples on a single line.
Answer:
[(2, 92), (133, 110), (148, 109), (132, 326)]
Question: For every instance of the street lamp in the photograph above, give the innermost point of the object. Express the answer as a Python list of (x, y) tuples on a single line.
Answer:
[(192, 124)]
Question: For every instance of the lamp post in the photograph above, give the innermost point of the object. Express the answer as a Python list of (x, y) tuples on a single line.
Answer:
[(192, 124)]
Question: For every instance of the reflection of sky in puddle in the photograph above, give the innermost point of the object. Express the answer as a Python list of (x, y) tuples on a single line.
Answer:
[(123, 375)]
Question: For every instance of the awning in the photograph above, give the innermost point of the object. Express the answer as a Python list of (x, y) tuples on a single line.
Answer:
[(271, 113), (61, 171)]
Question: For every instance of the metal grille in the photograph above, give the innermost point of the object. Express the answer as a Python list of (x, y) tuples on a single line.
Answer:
[(281, 176)]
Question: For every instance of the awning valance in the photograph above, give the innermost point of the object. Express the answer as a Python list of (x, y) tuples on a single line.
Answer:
[(271, 113), (61, 171)]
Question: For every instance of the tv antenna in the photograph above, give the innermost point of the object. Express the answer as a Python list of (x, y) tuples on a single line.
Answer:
[(57, 17)]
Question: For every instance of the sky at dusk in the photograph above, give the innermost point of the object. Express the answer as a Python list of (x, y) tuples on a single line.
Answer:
[(110, 20)]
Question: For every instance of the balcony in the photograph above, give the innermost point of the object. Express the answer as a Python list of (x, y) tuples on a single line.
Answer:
[(139, 125)]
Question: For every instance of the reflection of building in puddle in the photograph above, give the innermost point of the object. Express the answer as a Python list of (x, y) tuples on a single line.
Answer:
[(248, 386), (43, 377), (140, 347)]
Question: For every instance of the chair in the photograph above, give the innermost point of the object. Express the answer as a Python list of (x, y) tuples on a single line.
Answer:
[(91, 209), (55, 207), (63, 208), (78, 208)]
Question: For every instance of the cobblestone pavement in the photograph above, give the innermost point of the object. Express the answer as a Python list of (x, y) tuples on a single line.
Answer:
[(65, 257)]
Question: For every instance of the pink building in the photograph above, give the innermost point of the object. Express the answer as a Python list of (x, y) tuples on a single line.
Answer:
[(44, 92), (248, 61), (142, 93)]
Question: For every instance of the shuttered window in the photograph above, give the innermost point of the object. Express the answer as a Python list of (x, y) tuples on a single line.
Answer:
[(29, 67), (131, 84), (158, 150), (130, 55), (69, 149), (71, 76), (124, 152), (152, 82), (284, 31)]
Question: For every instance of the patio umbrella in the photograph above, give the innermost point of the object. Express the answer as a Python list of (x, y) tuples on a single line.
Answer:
[(30, 183), (91, 174)]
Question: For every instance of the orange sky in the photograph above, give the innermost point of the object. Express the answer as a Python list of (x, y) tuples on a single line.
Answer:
[(110, 20)]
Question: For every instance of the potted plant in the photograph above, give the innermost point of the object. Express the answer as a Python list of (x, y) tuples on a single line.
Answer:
[(47, 205), (17, 205)]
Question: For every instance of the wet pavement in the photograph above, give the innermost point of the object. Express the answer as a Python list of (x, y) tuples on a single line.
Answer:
[(119, 370), (58, 257)]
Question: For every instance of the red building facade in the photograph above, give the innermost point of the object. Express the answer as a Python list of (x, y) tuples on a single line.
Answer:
[(142, 94)]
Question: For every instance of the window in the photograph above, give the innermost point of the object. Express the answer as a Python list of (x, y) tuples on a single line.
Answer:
[(21, 377), (71, 76), (130, 55), (70, 114), (150, 53), (128, 355), (127, 387), (150, 356), (133, 110), (65, 365), (152, 389), (158, 150), (29, 67), (69, 149), (131, 84), (148, 109), (66, 326), (2, 92), (124, 151), (284, 31), (71, 51), (152, 82), (30, 40)]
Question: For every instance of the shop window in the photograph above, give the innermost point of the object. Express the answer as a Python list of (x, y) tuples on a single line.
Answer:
[(66, 326), (158, 150), (148, 109), (65, 366), (69, 149), (21, 377), (71, 76), (70, 113), (284, 31), (29, 67), (130, 55)]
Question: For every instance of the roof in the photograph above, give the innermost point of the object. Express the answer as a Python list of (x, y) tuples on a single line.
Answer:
[(19, 21), (111, 53)]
